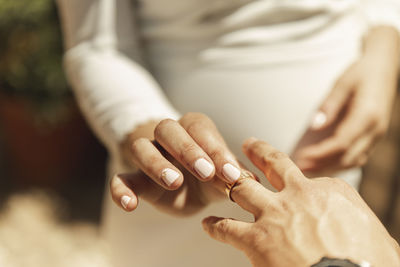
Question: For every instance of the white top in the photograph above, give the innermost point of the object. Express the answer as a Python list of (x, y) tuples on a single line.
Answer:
[(256, 68), (104, 59)]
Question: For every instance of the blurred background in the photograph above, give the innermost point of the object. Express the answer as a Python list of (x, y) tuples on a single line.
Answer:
[(52, 169)]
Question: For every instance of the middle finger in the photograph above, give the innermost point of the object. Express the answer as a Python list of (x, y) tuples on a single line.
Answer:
[(205, 133)]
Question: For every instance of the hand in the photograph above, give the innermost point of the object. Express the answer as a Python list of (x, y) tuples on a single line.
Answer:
[(358, 108), (303, 222), (192, 149)]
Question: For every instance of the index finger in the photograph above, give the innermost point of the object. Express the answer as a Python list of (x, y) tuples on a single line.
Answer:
[(125, 189), (276, 165)]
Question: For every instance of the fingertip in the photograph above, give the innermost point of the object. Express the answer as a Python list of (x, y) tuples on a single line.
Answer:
[(176, 184), (172, 179), (121, 194), (208, 221), (129, 203), (248, 142), (205, 223), (204, 168)]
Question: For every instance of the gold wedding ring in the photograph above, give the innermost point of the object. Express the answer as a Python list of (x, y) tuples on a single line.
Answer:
[(243, 175)]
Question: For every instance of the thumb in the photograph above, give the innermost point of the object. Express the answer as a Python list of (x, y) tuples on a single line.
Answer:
[(229, 231), (334, 103)]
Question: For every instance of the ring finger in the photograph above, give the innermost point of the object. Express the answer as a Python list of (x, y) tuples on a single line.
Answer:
[(150, 160)]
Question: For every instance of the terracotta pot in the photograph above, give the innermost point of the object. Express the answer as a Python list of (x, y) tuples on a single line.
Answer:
[(45, 154)]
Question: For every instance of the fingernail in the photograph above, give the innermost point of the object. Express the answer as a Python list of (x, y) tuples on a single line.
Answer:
[(231, 172), (169, 176), (319, 120), (203, 168), (125, 201)]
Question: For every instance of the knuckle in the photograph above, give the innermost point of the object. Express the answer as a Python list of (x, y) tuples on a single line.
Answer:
[(194, 116), (240, 185), (162, 126), (272, 157), (152, 160), (216, 153), (277, 155), (193, 121), (137, 144), (255, 237), (244, 185), (192, 126), (223, 227), (187, 148), (257, 144)]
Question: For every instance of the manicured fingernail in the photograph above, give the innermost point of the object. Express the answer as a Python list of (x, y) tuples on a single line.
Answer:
[(231, 172), (319, 120), (125, 201), (365, 264), (203, 168), (169, 176)]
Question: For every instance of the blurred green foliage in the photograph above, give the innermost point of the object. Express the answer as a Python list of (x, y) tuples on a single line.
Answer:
[(31, 52)]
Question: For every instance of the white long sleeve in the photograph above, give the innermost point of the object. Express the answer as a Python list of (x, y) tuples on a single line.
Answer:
[(103, 55), (382, 12), (114, 91)]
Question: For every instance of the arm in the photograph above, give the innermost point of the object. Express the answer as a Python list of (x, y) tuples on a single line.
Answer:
[(114, 91), (178, 159), (358, 108)]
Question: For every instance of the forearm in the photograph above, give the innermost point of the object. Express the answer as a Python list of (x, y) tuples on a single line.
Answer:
[(115, 94), (381, 54), (382, 44)]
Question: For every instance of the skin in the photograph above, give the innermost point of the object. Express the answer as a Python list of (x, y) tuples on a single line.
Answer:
[(357, 113), (175, 145), (358, 107), (304, 221)]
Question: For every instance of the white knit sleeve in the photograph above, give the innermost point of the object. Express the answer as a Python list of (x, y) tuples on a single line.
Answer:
[(114, 91), (382, 12)]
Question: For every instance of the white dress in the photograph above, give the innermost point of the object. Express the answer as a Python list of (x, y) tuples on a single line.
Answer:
[(257, 68)]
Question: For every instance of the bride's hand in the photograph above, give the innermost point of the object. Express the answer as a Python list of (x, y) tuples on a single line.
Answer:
[(306, 220), (177, 167), (358, 108)]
